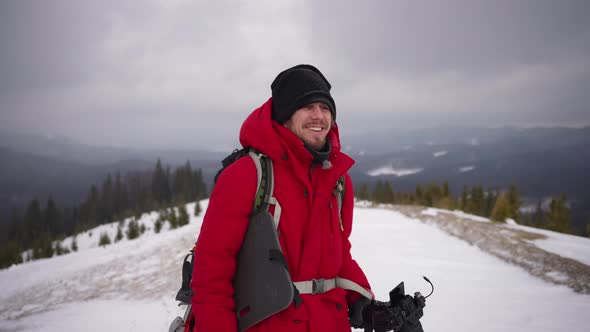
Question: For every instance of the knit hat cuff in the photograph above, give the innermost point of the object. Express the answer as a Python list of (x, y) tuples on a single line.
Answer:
[(314, 97)]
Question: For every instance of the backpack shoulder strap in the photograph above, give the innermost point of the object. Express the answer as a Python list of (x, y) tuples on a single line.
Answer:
[(339, 193), (265, 184), (235, 155)]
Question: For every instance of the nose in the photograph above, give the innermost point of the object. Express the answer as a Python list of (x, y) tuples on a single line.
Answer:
[(316, 110)]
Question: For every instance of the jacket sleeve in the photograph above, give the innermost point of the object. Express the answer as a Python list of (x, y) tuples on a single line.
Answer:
[(218, 244), (350, 269)]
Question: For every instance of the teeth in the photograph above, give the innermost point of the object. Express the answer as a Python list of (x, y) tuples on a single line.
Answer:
[(315, 128)]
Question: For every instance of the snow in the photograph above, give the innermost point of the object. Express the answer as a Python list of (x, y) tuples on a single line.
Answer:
[(99, 316), (388, 170), (570, 246), (439, 153), (130, 285), (459, 214), (511, 221), (466, 169)]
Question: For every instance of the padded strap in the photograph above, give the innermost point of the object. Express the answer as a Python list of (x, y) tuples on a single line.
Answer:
[(277, 214), (269, 198), (318, 286), (353, 286)]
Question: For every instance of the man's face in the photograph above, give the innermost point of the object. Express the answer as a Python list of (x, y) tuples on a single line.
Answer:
[(311, 123)]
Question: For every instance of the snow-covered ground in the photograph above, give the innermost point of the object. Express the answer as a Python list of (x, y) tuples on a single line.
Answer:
[(130, 285), (565, 245), (570, 246)]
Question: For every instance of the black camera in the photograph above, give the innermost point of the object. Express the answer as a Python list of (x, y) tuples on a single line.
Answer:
[(406, 310), (401, 314)]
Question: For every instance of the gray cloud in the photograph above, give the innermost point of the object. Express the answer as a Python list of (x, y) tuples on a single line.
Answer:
[(188, 72)]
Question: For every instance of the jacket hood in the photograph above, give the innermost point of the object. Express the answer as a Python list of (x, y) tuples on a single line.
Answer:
[(262, 133)]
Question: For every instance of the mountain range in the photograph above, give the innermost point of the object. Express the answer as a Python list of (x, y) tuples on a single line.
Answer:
[(541, 162)]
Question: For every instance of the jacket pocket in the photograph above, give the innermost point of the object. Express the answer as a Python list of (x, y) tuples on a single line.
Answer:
[(290, 320), (338, 308)]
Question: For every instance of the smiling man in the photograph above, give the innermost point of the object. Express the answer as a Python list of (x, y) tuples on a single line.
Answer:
[(297, 130)]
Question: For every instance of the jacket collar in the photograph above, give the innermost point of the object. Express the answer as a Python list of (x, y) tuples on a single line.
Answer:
[(281, 145)]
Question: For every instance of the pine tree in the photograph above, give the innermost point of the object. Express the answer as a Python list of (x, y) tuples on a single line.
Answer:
[(490, 199), (501, 209), (91, 214), (198, 208), (74, 244), (107, 200), (514, 203), (183, 218), (388, 195), (119, 235), (59, 249), (363, 193), (189, 188), (558, 216), (160, 184), (158, 225), (121, 199), (172, 219), (177, 186), (135, 189), (52, 218), (433, 194), (446, 192), (445, 202), (184, 187), (16, 230), (10, 254), (132, 230), (200, 188), (379, 192), (538, 219), (477, 202), (71, 219), (464, 200), (427, 199), (104, 240), (33, 223), (419, 195), (43, 246)]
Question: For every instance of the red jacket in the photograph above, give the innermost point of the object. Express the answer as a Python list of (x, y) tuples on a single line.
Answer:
[(310, 233)]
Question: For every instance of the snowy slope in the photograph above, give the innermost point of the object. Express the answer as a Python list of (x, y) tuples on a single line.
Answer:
[(130, 286)]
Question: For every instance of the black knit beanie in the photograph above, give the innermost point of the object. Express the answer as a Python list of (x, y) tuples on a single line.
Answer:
[(296, 87)]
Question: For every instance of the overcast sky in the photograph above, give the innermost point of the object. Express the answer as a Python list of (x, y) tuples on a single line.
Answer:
[(181, 73)]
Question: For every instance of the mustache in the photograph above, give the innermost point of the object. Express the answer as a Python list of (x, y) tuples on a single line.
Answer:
[(324, 124)]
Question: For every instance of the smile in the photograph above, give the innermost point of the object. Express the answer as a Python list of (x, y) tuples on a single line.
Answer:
[(316, 129)]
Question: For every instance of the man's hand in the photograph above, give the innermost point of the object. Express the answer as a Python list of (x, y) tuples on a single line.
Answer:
[(355, 312), (379, 317), (372, 315)]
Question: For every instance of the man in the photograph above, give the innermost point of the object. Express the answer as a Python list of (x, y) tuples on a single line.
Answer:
[(297, 129)]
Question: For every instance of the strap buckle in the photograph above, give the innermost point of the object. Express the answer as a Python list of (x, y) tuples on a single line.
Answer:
[(318, 286)]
